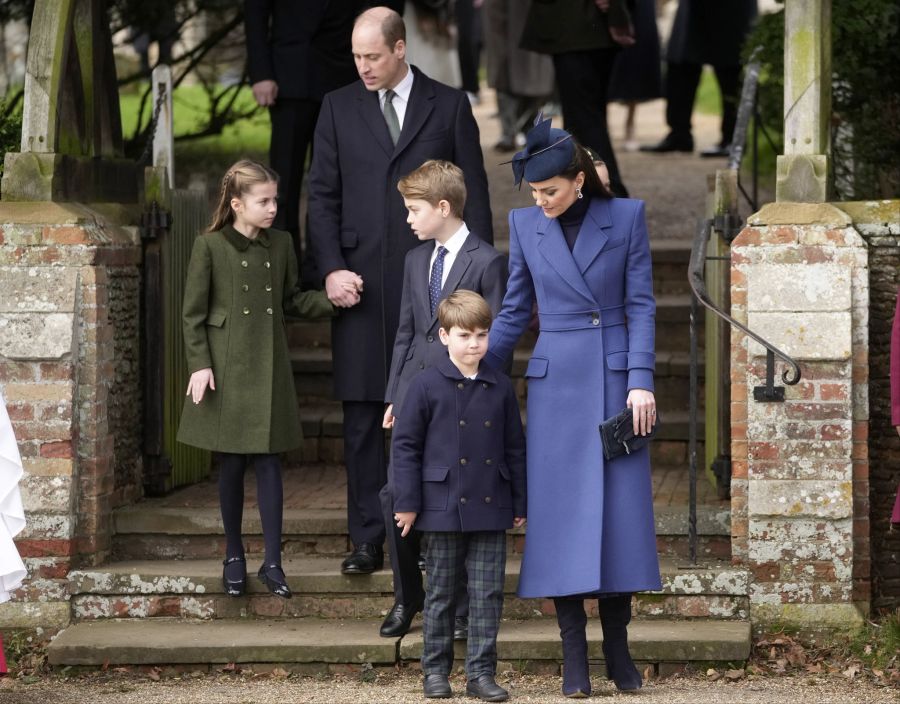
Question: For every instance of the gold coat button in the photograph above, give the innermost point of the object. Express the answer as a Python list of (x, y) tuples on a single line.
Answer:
[(244, 263), (246, 311), (269, 311), (267, 265), (464, 461), (245, 287), (268, 287)]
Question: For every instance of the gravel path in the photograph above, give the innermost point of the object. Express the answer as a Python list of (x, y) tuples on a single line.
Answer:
[(391, 688)]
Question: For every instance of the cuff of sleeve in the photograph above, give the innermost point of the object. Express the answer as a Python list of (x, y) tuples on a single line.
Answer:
[(196, 364), (640, 379)]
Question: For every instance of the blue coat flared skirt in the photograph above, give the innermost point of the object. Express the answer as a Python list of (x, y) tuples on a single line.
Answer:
[(590, 523)]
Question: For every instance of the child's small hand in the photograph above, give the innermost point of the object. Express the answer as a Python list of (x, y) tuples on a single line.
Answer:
[(198, 382), (518, 521), (405, 521), (388, 421)]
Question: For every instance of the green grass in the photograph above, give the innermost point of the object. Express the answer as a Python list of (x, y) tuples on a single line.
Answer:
[(708, 99), (209, 156)]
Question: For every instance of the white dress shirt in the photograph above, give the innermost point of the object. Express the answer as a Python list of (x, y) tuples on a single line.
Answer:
[(401, 100), (453, 245)]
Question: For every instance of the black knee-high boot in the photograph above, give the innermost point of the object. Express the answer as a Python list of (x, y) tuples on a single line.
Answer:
[(615, 615), (572, 624)]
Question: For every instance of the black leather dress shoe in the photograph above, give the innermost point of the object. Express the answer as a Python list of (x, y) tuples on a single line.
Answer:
[(461, 628), (273, 577), (670, 143), (719, 150), (234, 579), (399, 619), (437, 687), (486, 689), (365, 559)]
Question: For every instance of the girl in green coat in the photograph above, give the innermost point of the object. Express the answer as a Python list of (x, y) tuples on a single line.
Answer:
[(241, 280)]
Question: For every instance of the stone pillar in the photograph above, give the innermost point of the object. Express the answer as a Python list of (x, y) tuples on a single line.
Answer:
[(799, 278), (803, 169), (69, 365)]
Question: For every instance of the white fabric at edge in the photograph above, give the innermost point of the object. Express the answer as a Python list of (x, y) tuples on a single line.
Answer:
[(12, 515)]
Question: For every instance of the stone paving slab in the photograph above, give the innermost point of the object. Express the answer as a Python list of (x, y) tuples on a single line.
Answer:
[(653, 641), (321, 575), (157, 641), (299, 640)]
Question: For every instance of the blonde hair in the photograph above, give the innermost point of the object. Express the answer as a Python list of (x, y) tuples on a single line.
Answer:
[(465, 310), (434, 181), (237, 181)]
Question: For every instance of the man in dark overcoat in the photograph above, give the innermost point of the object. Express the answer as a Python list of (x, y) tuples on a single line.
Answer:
[(297, 51), (370, 134), (705, 32)]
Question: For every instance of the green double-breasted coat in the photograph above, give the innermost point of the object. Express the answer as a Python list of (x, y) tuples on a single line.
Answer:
[(236, 295)]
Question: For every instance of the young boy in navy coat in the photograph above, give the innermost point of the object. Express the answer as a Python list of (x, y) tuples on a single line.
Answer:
[(458, 457), (451, 258)]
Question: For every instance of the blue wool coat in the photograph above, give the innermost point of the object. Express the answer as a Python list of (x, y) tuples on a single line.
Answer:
[(590, 523), (458, 451)]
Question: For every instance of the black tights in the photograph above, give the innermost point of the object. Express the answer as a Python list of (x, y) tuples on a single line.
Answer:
[(270, 496)]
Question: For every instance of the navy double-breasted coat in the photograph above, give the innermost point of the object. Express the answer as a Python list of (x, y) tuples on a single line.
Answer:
[(458, 451), (590, 523)]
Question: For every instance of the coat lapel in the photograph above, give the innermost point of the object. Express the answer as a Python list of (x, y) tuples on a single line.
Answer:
[(420, 107), (373, 118), (421, 275), (552, 245), (591, 238)]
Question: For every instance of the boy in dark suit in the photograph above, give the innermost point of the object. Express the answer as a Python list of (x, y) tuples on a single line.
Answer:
[(458, 461), (434, 195)]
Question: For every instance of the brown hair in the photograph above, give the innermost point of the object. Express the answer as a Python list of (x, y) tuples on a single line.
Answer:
[(465, 310), (434, 181), (237, 181), (583, 161)]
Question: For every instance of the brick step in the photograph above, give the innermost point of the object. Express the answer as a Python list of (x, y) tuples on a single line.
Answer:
[(193, 589), (153, 529), (672, 332), (306, 643), (322, 423)]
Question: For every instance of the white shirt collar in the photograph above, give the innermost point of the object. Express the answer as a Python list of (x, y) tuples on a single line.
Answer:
[(456, 241), (402, 89)]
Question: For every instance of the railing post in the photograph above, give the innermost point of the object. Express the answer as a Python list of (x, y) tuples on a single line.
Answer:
[(163, 134)]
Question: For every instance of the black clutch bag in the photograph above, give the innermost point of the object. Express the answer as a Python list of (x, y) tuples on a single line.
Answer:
[(617, 434)]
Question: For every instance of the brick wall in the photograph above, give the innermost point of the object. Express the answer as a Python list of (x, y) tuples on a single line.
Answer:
[(800, 473), (69, 316)]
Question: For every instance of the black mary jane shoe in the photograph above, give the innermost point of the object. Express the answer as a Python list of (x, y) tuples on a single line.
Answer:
[(273, 577), (234, 587)]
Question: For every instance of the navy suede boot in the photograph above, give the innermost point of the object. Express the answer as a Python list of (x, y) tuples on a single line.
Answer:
[(572, 624), (615, 615)]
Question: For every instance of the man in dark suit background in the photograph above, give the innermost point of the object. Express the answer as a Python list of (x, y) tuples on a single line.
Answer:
[(297, 51), (705, 32), (368, 135)]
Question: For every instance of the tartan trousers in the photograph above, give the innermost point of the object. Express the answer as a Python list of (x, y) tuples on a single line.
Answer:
[(449, 556)]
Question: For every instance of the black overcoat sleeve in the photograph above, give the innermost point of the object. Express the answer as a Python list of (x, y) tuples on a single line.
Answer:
[(256, 30), (468, 156)]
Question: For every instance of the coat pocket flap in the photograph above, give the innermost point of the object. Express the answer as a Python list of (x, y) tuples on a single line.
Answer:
[(537, 367), (435, 474), (617, 361), (504, 472), (349, 238), (217, 320)]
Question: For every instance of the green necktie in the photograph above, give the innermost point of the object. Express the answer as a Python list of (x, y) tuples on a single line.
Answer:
[(390, 116)]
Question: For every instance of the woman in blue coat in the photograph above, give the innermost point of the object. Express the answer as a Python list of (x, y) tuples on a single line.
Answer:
[(584, 257)]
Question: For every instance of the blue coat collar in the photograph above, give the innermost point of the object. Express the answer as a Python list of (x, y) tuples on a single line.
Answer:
[(449, 370)]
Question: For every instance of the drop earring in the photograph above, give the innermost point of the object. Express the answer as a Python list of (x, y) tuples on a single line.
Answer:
[(578, 192)]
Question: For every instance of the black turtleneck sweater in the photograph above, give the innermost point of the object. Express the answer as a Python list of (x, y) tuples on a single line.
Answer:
[(571, 220)]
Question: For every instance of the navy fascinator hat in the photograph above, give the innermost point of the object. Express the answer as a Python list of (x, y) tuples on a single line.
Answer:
[(547, 153)]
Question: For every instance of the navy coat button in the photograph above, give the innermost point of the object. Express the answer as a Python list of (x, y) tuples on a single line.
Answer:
[(421, 365), (464, 461), (460, 385), (462, 422), (487, 499), (487, 424), (489, 461), (483, 385), (463, 500), (430, 338)]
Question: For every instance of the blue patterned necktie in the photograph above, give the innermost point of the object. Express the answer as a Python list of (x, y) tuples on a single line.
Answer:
[(434, 283)]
